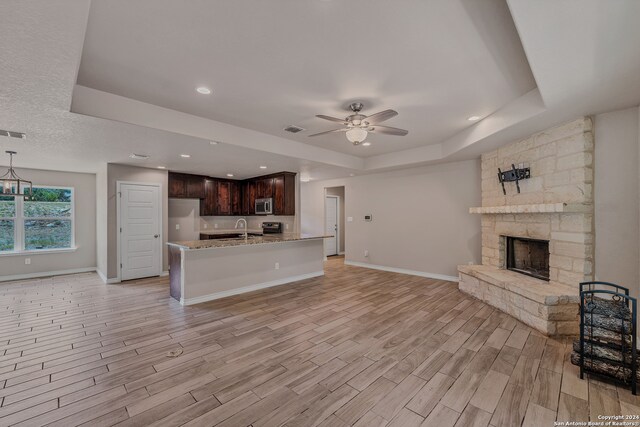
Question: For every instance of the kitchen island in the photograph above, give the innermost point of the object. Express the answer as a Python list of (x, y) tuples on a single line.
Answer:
[(204, 270)]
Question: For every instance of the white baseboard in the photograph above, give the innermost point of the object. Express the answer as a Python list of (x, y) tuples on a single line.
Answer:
[(164, 273), (403, 271), (245, 289), (46, 274), (102, 276), (341, 253)]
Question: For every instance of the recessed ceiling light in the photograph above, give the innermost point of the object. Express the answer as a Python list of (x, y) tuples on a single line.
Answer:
[(162, 167), (214, 142), (203, 90), (138, 156), (263, 167), (186, 156), (366, 144), (229, 175), (473, 118)]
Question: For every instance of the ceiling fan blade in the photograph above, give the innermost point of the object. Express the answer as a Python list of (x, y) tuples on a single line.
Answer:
[(389, 130), (381, 116), (332, 119), (330, 131)]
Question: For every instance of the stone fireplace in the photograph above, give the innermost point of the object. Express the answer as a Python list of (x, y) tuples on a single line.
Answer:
[(537, 245)]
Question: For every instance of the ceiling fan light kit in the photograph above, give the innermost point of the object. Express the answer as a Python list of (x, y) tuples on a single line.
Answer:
[(358, 126), (356, 135)]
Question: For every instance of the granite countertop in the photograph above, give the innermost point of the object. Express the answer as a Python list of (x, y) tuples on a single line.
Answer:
[(231, 231), (251, 240)]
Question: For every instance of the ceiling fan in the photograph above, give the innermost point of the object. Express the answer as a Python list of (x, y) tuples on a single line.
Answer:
[(358, 126)]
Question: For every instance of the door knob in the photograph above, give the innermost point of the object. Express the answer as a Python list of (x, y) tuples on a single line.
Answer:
[(156, 235)]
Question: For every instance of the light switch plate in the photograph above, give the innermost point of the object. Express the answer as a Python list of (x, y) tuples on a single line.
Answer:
[(349, 219), (177, 226)]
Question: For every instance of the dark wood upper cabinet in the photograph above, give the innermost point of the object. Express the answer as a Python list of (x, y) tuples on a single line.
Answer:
[(208, 204), (195, 186), (284, 194), (249, 197), (236, 197), (229, 197), (186, 186), (177, 185), (223, 204), (264, 188)]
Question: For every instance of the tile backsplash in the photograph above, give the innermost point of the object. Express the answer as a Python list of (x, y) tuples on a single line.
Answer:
[(185, 222)]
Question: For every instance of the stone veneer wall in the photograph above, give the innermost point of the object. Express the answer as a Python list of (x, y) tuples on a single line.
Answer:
[(561, 162)]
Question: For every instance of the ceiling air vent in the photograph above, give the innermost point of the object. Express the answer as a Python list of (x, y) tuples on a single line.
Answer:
[(293, 129), (138, 156), (19, 135)]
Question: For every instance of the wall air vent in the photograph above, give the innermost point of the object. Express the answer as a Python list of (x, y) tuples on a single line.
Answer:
[(294, 129), (19, 135)]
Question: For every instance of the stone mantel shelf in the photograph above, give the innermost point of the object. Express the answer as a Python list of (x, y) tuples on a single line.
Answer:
[(529, 209)]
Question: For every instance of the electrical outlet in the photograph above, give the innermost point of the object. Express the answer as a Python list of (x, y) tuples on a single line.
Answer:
[(206, 225), (366, 253), (215, 225), (286, 226), (277, 266), (349, 219), (27, 261), (177, 226)]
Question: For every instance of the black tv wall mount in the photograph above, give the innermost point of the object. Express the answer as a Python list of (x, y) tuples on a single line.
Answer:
[(514, 175)]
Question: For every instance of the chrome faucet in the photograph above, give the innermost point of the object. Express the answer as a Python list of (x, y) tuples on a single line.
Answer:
[(245, 235)]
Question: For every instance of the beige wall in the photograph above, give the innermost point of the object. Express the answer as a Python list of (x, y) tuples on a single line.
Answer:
[(421, 219), (617, 197), (84, 258), (339, 191), (117, 173)]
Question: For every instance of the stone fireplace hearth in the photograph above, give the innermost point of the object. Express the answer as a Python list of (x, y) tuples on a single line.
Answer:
[(556, 206)]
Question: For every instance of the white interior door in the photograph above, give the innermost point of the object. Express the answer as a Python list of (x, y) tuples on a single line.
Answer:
[(140, 237), (331, 226)]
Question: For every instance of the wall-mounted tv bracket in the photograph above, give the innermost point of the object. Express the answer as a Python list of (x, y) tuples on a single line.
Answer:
[(515, 174)]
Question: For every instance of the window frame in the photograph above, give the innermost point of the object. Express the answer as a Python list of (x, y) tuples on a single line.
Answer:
[(19, 224), (15, 227)]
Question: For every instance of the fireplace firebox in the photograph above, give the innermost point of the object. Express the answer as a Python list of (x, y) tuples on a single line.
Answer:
[(528, 256)]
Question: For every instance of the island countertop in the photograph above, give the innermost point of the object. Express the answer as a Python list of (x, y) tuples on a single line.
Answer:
[(251, 240)]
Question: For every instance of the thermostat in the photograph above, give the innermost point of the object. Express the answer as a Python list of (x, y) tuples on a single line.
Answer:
[(368, 218)]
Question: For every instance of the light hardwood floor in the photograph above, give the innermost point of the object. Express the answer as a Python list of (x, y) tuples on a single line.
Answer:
[(356, 347)]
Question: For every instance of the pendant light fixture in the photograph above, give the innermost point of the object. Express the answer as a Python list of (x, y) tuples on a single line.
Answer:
[(12, 185)]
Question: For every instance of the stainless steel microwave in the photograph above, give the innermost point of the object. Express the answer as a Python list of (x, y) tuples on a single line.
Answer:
[(264, 206)]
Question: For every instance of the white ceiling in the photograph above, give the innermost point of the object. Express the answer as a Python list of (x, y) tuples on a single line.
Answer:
[(280, 62), (583, 54)]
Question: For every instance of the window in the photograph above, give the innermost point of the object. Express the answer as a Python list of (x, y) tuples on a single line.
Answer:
[(42, 222)]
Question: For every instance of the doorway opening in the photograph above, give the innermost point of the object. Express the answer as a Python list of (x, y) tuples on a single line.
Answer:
[(334, 221)]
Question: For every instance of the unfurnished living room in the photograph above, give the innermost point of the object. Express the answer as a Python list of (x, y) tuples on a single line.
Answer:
[(327, 213)]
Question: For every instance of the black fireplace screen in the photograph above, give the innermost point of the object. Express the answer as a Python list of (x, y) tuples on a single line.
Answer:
[(528, 256)]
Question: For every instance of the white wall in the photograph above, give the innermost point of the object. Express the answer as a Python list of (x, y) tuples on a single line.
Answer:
[(132, 174), (421, 217), (617, 197), (84, 258)]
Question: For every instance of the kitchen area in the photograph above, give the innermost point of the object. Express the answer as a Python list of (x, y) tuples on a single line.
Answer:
[(228, 236)]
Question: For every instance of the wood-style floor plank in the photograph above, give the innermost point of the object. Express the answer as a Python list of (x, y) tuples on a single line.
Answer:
[(356, 347)]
